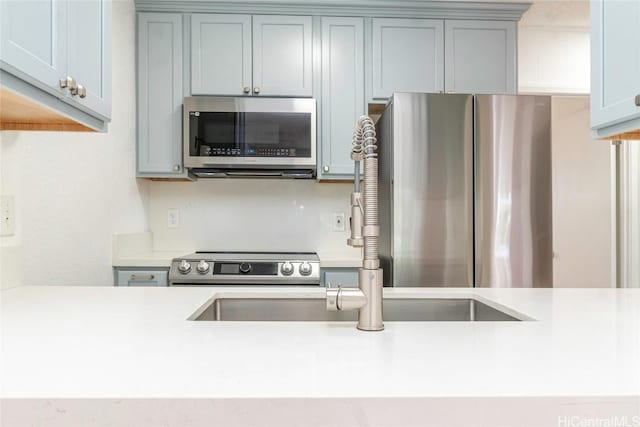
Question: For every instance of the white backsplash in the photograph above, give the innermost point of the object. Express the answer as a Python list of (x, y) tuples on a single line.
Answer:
[(251, 214)]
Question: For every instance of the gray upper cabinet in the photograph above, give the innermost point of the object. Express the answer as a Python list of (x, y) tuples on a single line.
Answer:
[(267, 55), (407, 56), (88, 61), (342, 91), (424, 55), (220, 54), (297, 49), (35, 51), (615, 68), (480, 56), (160, 95), (47, 42), (282, 48)]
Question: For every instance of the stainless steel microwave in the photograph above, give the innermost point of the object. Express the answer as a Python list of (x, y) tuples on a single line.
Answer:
[(252, 136)]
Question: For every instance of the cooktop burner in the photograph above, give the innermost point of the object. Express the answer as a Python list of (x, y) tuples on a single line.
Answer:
[(245, 268)]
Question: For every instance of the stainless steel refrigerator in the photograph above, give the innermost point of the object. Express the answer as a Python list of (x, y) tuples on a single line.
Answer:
[(465, 190)]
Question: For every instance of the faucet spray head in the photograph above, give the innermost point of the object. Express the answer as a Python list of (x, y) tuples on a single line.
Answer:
[(356, 240)]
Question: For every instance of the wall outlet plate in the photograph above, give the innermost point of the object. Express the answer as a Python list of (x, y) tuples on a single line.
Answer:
[(7, 216), (338, 221), (173, 218)]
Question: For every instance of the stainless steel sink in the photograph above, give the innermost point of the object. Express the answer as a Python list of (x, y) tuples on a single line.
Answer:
[(314, 309)]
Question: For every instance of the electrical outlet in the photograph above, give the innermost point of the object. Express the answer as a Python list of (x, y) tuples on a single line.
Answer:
[(173, 218), (338, 221), (7, 216)]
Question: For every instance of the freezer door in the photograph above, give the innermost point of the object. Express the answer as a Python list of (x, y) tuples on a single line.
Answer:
[(513, 220), (432, 190)]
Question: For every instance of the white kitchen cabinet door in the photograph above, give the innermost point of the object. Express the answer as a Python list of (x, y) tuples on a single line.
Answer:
[(33, 40), (282, 55), (220, 54), (89, 52), (615, 70), (408, 56), (480, 56), (342, 91)]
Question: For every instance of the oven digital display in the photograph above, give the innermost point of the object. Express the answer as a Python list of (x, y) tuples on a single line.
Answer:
[(229, 268)]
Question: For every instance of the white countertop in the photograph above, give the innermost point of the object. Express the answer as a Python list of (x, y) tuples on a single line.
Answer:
[(110, 342)]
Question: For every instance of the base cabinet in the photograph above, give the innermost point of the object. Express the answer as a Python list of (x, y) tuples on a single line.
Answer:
[(334, 277), (140, 276)]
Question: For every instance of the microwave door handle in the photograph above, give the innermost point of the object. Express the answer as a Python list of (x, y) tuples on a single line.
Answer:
[(298, 174), (254, 173)]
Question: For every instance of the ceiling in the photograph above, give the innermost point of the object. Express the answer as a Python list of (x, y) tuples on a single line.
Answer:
[(557, 13)]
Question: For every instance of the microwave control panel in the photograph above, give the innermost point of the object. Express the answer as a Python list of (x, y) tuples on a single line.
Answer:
[(207, 151)]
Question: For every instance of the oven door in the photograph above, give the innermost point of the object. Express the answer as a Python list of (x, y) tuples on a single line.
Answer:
[(253, 133)]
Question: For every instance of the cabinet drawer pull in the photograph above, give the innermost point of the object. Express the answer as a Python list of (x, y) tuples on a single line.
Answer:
[(141, 277), (637, 100)]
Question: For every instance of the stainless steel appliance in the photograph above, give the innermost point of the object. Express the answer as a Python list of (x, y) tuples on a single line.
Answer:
[(245, 268), (465, 190), (252, 136)]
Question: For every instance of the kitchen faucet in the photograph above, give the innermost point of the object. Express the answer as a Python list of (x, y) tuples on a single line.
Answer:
[(365, 232)]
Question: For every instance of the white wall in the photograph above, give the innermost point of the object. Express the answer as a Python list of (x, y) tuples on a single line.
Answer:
[(554, 48), (74, 190), (582, 211), (250, 214)]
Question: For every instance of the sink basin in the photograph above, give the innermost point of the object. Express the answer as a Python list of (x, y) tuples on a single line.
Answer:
[(314, 309)]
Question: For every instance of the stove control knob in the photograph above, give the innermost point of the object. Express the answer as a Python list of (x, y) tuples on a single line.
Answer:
[(245, 267), (184, 266), (203, 266), (287, 268), (305, 269)]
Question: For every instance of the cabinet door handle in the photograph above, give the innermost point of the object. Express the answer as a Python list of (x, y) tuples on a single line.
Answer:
[(141, 277), (246, 89), (176, 168), (79, 90), (637, 100), (69, 83), (256, 89), (325, 168)]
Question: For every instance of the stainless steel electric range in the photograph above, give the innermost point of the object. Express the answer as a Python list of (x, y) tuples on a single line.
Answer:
[(245, 268)]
